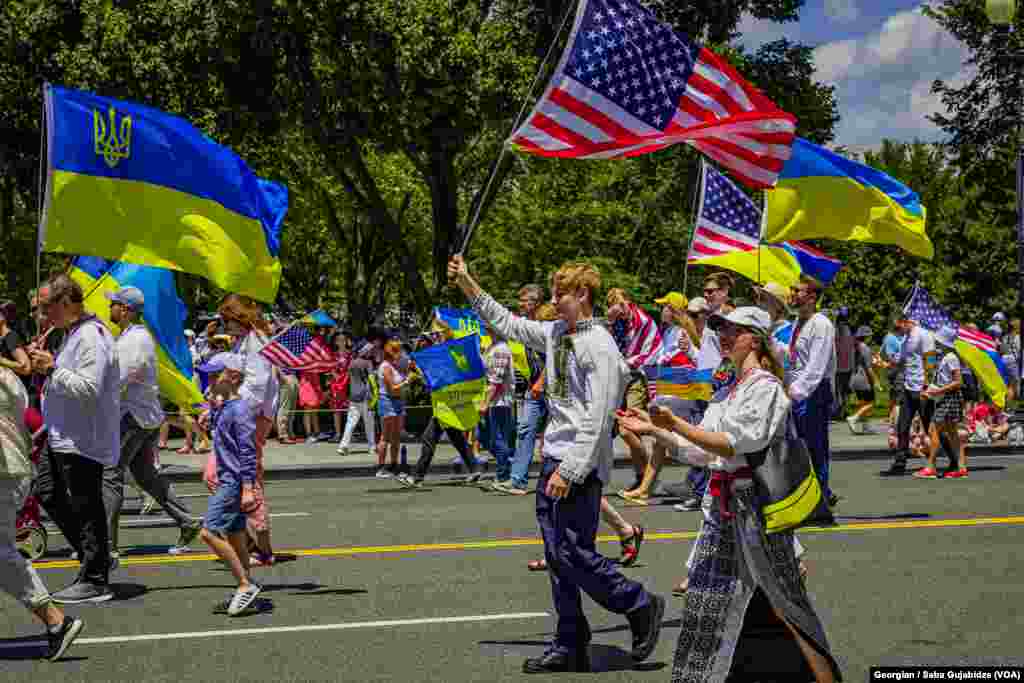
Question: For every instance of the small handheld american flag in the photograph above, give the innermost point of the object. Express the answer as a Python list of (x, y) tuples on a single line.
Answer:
[(297, 349)]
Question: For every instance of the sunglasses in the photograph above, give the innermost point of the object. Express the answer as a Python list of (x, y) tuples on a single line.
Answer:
[(711, 291)]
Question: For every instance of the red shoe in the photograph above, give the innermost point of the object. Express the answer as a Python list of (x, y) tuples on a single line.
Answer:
[(927, 473), (285, 442), (956, 474)]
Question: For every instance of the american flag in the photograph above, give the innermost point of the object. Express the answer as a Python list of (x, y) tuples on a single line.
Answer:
[(727, 219), (930, 315), (297, 349), (628, 85)]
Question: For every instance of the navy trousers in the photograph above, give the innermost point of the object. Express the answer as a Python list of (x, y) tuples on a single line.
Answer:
[(812, 417), (569, 529)]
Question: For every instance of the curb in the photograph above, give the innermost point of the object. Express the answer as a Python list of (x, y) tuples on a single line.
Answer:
[(328, 470)]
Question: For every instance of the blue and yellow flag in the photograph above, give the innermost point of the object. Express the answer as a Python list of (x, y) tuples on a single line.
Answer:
[(465, 321), (820, 194), (318, 319), (457, 380), (131, 183), (164, 315)]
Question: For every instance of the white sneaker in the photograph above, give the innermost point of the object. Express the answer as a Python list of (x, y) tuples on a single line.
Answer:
[(854, 425), (242, 600), (343, 450), (383, 473)]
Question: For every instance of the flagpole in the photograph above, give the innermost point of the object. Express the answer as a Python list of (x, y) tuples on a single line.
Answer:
[(39, 207), (478, 209), (698, 193), (764, 208)]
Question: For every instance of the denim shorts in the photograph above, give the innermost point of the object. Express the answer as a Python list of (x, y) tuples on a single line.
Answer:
[(224, 514), (388, 406)]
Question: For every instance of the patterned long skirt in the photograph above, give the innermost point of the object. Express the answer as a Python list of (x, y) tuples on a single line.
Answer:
[(730, 633)]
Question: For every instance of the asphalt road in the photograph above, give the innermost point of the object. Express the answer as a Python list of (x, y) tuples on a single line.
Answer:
[(431, 585)]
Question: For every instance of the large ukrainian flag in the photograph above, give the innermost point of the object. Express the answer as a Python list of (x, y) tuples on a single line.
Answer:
[(821, 194), (457, 380), (164, 315), (131, 183)]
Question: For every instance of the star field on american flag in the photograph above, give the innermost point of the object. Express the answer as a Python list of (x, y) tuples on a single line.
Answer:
[(923, 309), (728, 219), (627, 84), (627, 55), (297, 349)]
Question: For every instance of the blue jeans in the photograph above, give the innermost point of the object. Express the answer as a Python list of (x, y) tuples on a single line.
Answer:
[(569, 529), (812, 417), (533, 415), (497, 435)]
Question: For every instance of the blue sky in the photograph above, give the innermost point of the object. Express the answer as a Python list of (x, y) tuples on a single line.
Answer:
[(882, 56)]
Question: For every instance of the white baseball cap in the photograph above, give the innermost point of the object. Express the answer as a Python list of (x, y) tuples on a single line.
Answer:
[(698, 304), (746, 316), (224, 361), (999, 316)]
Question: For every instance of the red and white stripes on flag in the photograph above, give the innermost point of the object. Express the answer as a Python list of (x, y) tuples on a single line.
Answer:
[(727, 220), (297, 349), (643, 341), (628, 85)]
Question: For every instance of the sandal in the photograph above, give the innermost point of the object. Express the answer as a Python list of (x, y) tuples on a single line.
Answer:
[(628, 500), (537, 565), (185, 450), (681, 588), (631, 546)]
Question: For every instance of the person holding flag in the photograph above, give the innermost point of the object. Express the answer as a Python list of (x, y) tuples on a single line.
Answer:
[(141, 417), (948, 410), (586, 378)]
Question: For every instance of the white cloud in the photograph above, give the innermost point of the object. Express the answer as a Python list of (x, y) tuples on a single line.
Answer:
[(883, 79), (842, 11)]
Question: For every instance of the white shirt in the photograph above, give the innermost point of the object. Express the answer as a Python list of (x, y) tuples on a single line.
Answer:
[(813, 356), (709, 357), (259, 389), (15, 443), (140, 395), (751, 414), (82, 397), (944, 376), (586, 378), (911, 358)]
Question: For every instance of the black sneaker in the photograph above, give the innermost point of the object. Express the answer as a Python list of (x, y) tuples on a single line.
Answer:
[(646, 627), (833, 500), (558, 662), (60, 641), (83, 592)]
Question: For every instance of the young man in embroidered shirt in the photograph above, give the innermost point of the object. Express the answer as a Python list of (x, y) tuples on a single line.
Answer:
[(812, 364), (639, 343), (141, 417), (586, 377)]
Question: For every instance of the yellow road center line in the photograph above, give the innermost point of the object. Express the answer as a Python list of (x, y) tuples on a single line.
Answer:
[(520, 542)]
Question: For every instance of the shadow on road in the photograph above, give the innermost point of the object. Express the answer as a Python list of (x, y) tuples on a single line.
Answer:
[(603, 658)]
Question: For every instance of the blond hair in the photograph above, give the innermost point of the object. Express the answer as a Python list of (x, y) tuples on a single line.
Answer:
[(574, 276), (392, 346), (766, 358), (546, 313), (616, 296), (244, 311)]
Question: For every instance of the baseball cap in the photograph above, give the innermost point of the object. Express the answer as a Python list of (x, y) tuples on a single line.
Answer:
[(946, 336), (863, 332), (698, 304), (999, 316), (994, 330), (747, 316), (224, 361), (129, 296), (674, 299), (190, 333), (774, 290)]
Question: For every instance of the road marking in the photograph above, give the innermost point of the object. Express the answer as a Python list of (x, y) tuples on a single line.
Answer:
[(521, 542), (154, 521), (345, 626)]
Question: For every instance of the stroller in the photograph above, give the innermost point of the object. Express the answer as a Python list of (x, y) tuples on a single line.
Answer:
[(31, 536)]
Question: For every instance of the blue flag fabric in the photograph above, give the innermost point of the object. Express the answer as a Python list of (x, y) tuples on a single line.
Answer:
[(135, 184), (164, 315), (456, 376)]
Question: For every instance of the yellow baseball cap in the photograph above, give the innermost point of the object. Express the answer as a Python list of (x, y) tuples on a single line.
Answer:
[(674, 299)]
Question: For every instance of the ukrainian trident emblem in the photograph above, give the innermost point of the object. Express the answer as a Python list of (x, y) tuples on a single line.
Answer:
[(112, 142)]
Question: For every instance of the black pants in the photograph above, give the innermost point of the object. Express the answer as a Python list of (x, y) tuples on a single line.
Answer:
[(428, 443), (70, 489), (911, 404)]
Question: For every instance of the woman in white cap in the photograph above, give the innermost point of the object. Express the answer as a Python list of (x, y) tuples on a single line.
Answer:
[(741, 578), (949, 410), (862, 381)]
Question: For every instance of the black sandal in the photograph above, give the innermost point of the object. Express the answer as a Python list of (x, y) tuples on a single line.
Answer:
[(631, 547)]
